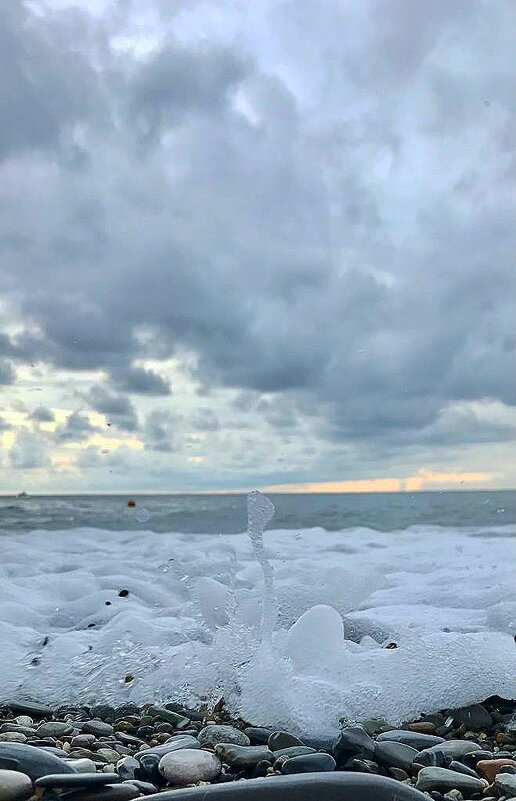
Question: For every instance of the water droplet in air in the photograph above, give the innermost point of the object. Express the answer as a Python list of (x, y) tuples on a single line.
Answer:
[(142, 515)]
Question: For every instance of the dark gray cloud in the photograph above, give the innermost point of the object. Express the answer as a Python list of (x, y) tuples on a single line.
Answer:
[(141, 381), (7, 374), (42, 414), (325, 217), (76, 428), (117, 408), (160, 431)]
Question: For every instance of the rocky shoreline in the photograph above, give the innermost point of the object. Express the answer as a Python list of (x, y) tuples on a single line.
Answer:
[(106, 753)]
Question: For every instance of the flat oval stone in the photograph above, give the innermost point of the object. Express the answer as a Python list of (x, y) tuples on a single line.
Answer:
[(395, 755), (433, 778), (33, 709), (14, 786), (14, 727), (283, 739), (188, 766), (68, 780), (99, 728), (335, 786), (144, 787), (176, 720), (109, 792), (82, 765), (174, 744), (32, 761), (294, 751), (309, 763), (239, 756), (54, 728), (214, 734), (13, 737), (489, 768), (442, 754), (258, 735), (415, 739), (461, 768)]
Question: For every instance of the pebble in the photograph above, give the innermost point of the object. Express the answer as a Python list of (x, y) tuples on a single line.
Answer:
[(176, 720), (461, 768), (294, 751), (26, 730), (238, 756), (363, 765), (506, 783), (214, 734), (69, 780), (128, 768), (442, 754), (309, 763), (35, 762), (475, 717), (144, 787), (13, 737), (29, 708), (422, 727), (282, 739), (175, 744), (189, 765), (97, 727), (54, 728), (353, 741), (24, 720), (435, 778), (489, 768), (258, 735), (83, 741), (395, 755), (14, 786), (415, 739), (82, 765), (109, 792)]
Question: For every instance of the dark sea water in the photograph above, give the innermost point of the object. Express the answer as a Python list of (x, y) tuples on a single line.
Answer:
[(226, 514)]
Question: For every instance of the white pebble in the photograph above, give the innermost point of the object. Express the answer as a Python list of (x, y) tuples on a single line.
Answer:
[(189, 765)]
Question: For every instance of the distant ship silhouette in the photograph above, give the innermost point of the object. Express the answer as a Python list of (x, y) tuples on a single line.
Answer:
[(23, 494)]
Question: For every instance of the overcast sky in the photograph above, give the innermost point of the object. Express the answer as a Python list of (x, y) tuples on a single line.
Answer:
[(257, 242)]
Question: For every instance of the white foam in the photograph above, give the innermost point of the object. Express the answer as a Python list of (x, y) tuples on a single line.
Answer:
[(192, 623)]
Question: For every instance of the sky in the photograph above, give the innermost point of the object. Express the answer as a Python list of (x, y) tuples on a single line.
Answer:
[(257, 243)]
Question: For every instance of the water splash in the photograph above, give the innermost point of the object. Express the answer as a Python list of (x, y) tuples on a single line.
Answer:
[(260, 511)]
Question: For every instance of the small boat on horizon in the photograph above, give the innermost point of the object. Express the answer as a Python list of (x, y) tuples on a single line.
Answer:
[(23, 495)]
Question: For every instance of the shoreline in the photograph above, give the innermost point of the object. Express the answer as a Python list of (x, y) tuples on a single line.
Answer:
[(115, 753)]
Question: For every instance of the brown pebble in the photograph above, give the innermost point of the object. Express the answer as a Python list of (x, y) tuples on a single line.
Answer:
[(422, 726), (489, 768)]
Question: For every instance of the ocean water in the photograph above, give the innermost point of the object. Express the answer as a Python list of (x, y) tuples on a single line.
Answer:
[(290, 628)]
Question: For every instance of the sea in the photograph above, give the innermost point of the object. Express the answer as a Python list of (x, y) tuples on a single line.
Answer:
[(299, 610)]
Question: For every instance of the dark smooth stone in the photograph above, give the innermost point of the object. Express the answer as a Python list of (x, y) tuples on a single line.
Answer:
[(257, 735), (280, 740), (66, 780), (337, 786), (176, 720), (294, 751), (353, 741), (128, 768), (33, 709), (104, 712), (149, 764), (474, 717), (473, 757), (243, 756), (460, 768), (395, 755), (128, 739), (109, 792), (47, 742), (98, 727), (309, 763), (362, 765), (144, 787), (33, 761), (127, 709), (415, 739), (59, 752), (261, 768)]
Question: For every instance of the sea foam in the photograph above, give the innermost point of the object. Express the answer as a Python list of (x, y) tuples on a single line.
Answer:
[(292, 634)]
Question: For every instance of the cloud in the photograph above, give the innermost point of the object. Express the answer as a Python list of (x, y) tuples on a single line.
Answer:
[(42, 414), (117, 408), (76, 428), (29, 451), (160, 431), (205, 420), (315, 216), (141, 381)]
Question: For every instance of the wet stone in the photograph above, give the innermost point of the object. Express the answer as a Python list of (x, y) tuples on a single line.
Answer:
[(33, 709), (474, 717), (33, 761), (506, 784), (395, 755), (14, 786), (294, 751), (441, 755), (353, 741), (54, 728), (491, 767), (147, 788), (176, 720), (12, 737), (69, 780), (214, 734), (109, 792), (257, 735), (309, 763), (103, 712), (283, 739), (174, 744), (149, 764), (128, 768), (435, 778), (237, 756), (414, 739), (362, 766), (460, 768), (99, 728)]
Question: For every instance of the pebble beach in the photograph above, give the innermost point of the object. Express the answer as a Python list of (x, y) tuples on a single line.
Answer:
[(117, 753)]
